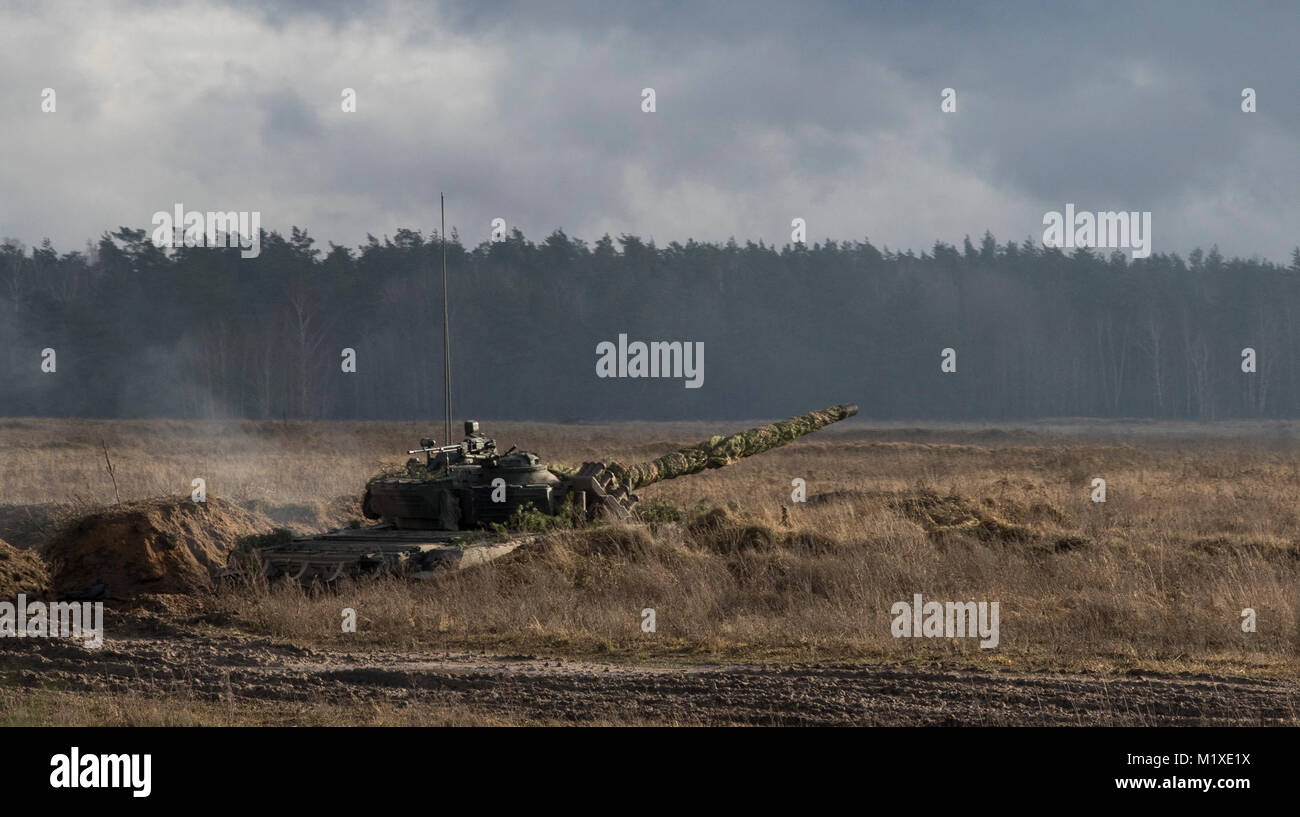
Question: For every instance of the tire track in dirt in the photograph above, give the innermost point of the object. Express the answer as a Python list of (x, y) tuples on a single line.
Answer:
[(534, 689)]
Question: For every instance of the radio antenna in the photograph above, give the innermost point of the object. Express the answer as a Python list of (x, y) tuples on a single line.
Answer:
[(446, 330)]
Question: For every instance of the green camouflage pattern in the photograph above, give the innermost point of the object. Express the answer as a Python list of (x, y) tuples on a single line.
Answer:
[(717, 452)]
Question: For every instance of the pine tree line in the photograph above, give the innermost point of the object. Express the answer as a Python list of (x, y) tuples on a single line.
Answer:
[(1037, 332)]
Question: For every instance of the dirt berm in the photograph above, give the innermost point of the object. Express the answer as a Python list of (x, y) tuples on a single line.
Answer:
[(170, 545), (22, 571)]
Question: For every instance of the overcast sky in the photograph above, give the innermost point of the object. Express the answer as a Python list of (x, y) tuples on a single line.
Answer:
[(531, 112)]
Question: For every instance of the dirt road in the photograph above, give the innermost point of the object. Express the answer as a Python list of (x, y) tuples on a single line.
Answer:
[(525, 689)]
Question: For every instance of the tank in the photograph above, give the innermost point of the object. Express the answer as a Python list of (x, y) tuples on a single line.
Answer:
[(429, 511)]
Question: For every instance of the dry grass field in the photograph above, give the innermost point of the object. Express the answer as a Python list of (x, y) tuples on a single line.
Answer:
[(1199, 523)]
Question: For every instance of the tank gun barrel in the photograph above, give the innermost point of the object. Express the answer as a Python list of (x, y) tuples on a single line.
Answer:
[(717, 452)]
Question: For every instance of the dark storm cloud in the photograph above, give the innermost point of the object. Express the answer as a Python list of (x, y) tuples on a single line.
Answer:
[(531, 112), (288, 118), (282, 12)]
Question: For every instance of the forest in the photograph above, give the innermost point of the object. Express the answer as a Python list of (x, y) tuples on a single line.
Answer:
[(138, 331)]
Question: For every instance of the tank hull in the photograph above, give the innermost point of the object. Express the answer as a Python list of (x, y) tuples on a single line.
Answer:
[(382, 549)]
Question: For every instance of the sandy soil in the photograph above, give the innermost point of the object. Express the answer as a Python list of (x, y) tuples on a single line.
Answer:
[(238, 669)]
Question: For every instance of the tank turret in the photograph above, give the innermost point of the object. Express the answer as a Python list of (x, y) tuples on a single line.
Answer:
[(471, 485)]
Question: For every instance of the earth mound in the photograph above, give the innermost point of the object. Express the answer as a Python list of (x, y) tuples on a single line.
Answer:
[(22, 571), (941, 514), (169, 545)]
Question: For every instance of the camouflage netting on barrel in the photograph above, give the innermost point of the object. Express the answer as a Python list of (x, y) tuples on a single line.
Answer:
[(717, 452)]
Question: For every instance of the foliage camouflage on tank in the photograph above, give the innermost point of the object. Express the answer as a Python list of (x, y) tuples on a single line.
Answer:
[(429, 511), (718, 452)]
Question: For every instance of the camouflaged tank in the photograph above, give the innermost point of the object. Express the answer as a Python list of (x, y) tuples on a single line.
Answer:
[(428, 511)]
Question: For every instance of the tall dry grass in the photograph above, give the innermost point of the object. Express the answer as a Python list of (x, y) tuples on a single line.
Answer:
[(1199, 523)]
